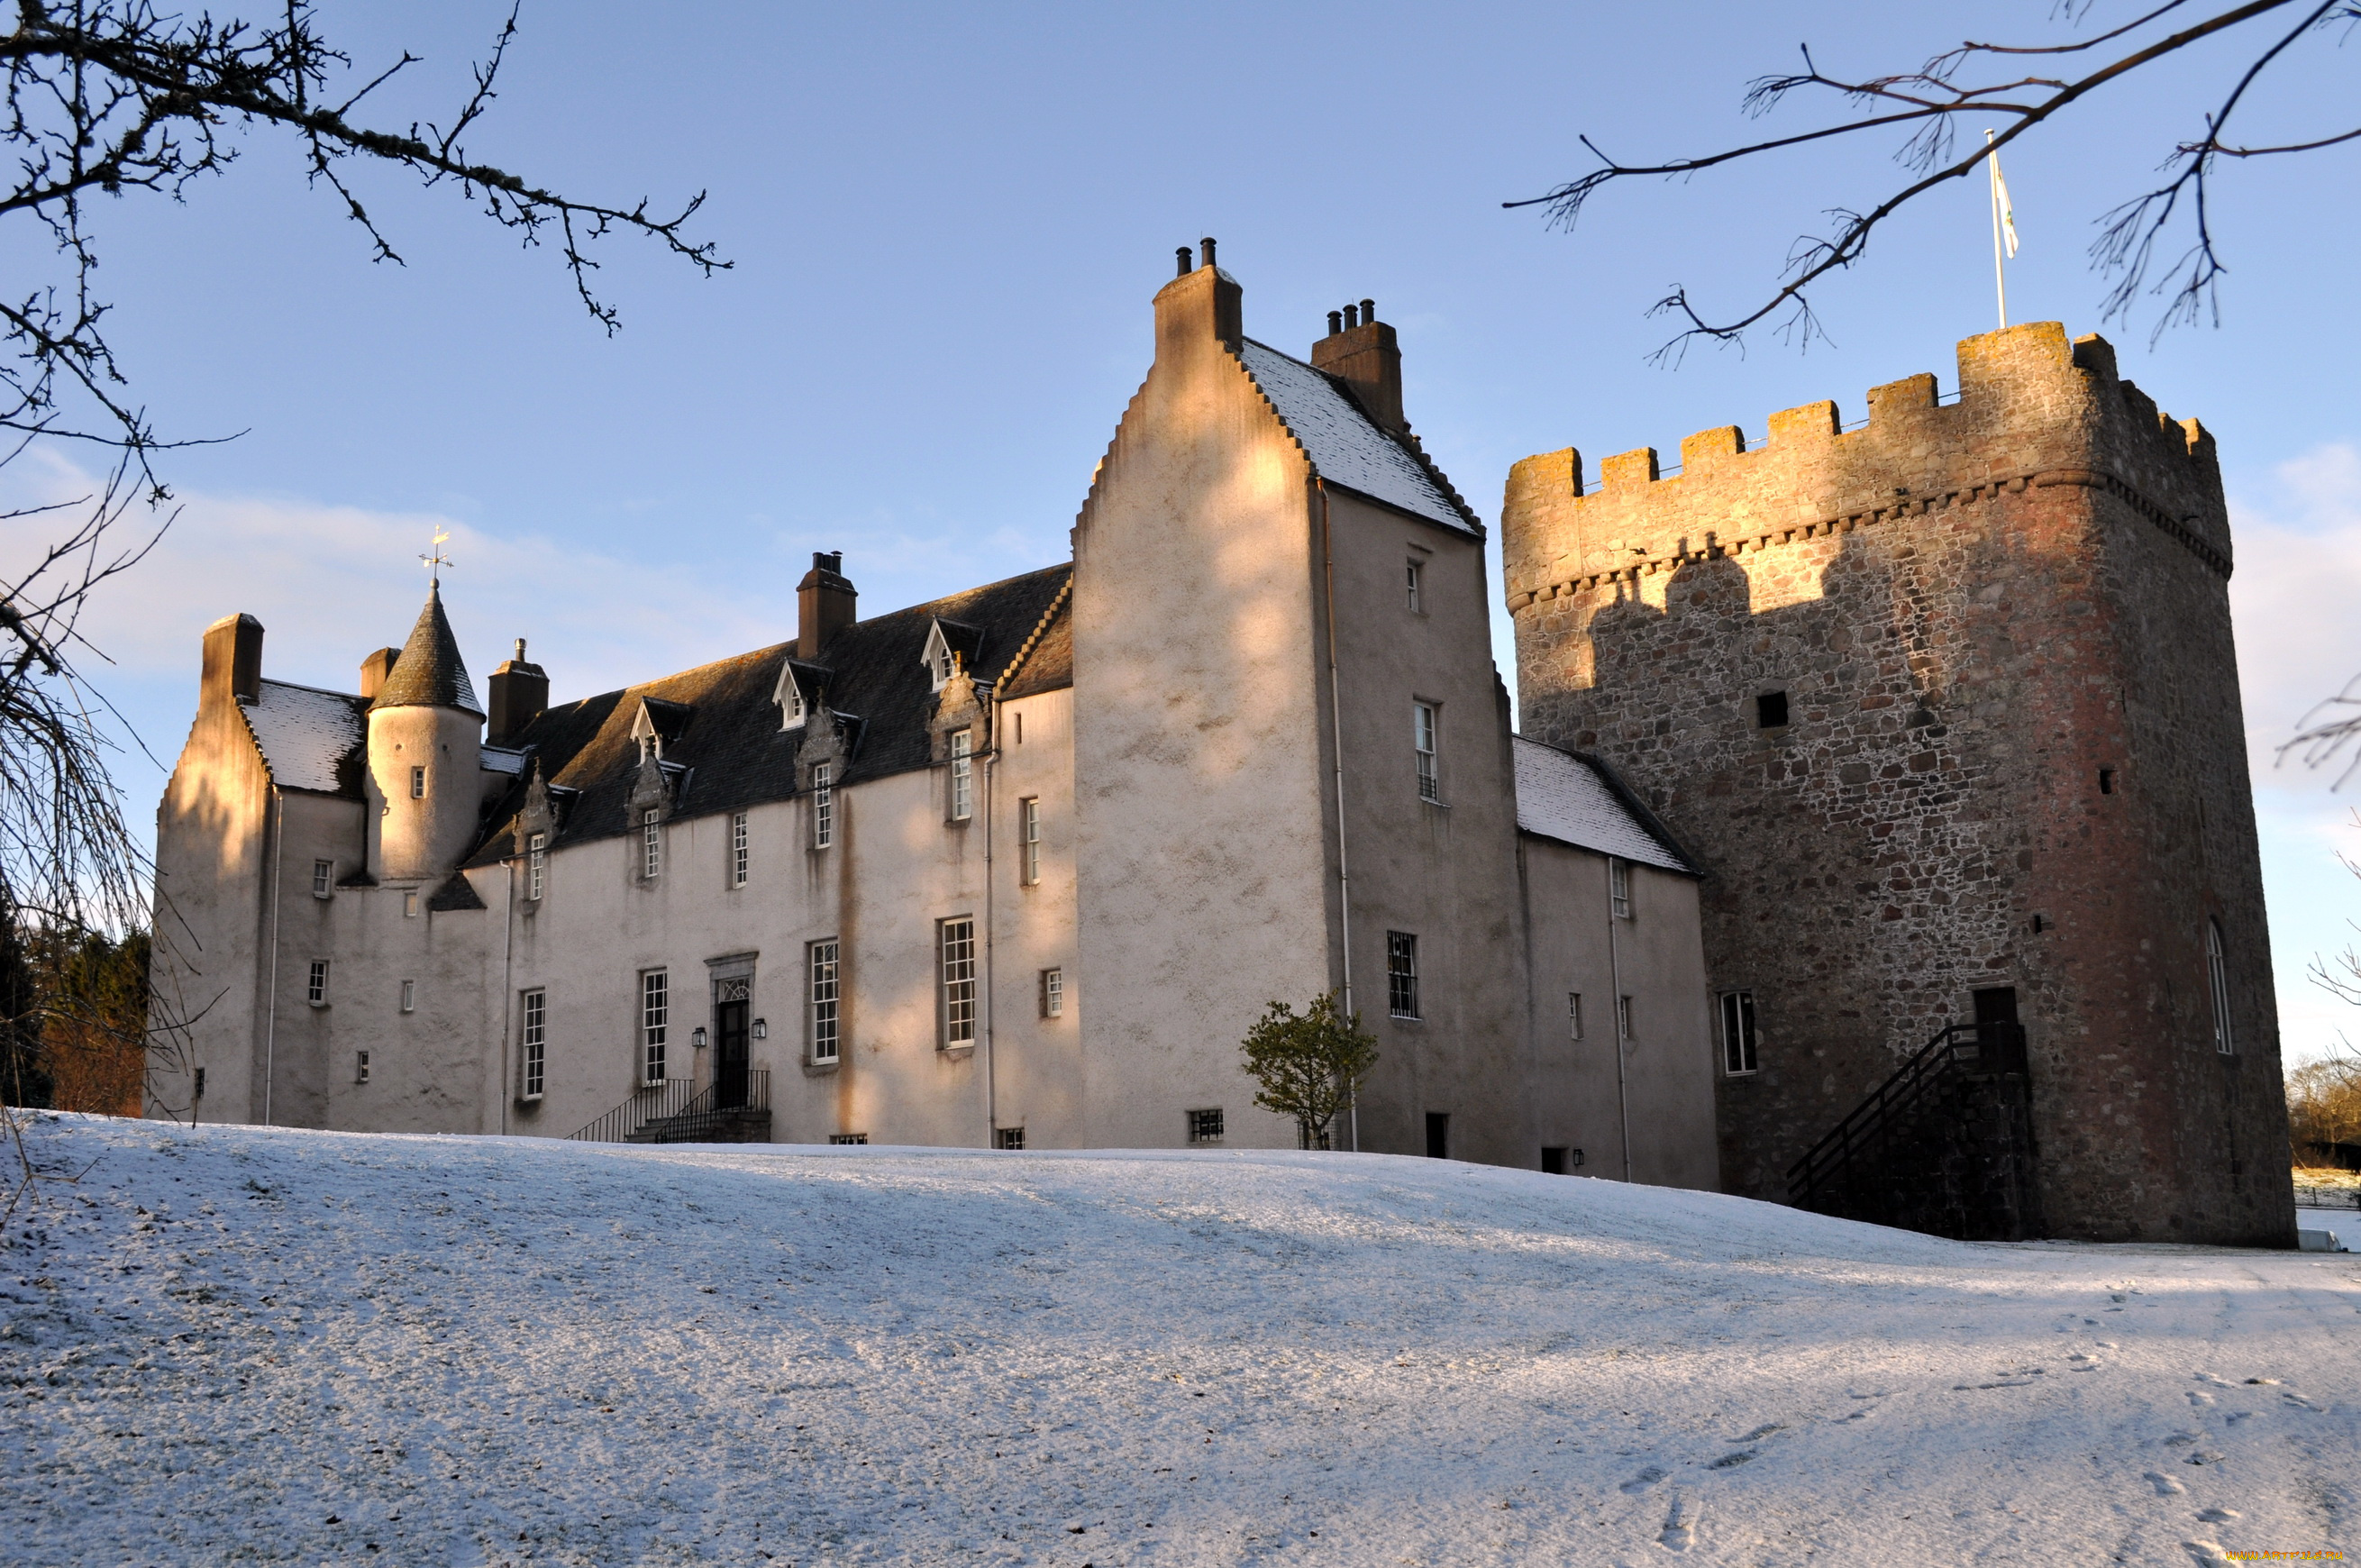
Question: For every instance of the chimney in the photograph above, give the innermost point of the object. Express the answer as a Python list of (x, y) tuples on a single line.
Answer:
[(824, 605), (1363, 355), (374, 670), (520, 694), (1198, 307), (233, 663)]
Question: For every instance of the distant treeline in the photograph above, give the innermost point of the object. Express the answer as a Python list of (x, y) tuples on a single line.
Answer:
[(73, 1018)]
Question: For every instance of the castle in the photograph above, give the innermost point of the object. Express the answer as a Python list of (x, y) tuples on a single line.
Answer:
[(1016, 868), (1945, 707)]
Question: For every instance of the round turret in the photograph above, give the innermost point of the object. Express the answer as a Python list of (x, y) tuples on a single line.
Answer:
[(425, 757)]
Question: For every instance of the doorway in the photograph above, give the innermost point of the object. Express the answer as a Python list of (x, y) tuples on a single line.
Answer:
[(1438, 1135), (729, 1058)]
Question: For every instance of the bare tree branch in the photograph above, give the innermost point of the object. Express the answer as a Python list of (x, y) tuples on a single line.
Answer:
[(1930, 102)]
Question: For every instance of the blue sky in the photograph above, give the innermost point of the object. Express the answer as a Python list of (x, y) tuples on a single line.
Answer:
[(947, 223)]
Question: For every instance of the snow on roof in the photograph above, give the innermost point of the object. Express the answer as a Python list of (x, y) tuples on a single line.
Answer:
[(304, 732), (1342, 442), (503, 760), (1566, 797)]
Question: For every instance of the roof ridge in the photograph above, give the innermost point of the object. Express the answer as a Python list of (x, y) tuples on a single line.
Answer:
[(305, 686)]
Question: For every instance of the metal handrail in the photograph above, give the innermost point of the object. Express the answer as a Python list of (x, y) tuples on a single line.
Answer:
[(649, 1102), (705, 1113), (1984, 1047)]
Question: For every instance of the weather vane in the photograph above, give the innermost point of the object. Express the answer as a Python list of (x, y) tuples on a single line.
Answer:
[(437, 561)]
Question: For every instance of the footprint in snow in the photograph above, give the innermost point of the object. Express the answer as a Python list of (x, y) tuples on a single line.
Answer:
[(1643, 1481), (1680, 1525), (2165, 1484), (2204, 1551), (2220, 1515)]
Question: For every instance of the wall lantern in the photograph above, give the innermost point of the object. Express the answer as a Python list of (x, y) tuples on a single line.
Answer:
[(762, 1028), (697, 1036)]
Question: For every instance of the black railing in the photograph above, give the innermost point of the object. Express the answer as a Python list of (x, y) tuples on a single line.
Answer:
[(1899, 1110), (677, 1111), (2327, 1197)]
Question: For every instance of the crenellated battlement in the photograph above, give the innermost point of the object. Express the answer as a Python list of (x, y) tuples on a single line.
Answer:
[(2031, 410)]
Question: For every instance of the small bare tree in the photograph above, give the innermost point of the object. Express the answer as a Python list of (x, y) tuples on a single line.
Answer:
[(1311, 1065), (1925, 107), (111, 98)]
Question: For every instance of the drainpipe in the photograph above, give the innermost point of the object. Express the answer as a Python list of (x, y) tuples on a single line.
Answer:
[(270, 1017), (1336, 719), (506, 1089), (1615, 1012), (990, 819)]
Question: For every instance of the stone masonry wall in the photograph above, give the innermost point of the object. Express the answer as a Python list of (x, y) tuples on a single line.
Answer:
[(1972, 609)]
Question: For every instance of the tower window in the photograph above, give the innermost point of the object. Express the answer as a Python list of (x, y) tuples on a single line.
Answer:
[(1737, 1057), (360, 1066), (1053, 993), (2217, 971), (409, 907), (410, 996), (826, 1001), (1401, 974), (823, 805), (957, 942), (655, 1023), (1771, 710), (962, 775), (537, 1042), (418, 784), (1422, 727), (739, 855)]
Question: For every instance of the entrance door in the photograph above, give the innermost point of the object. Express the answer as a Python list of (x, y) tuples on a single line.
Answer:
[(2000, 1043), (730, 1057)]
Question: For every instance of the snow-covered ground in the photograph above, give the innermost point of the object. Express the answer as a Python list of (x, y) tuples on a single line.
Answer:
[(264, 1346)]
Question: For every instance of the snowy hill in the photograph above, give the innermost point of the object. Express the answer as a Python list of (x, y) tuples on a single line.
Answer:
[(269, 1346)]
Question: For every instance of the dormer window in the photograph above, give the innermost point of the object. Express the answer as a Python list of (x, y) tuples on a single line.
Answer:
[(789, 694), (941, 662)]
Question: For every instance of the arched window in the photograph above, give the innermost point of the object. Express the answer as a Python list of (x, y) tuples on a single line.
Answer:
[(2218, 974)]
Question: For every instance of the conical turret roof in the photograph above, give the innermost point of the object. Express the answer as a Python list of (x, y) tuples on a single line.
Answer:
[(430, 673)]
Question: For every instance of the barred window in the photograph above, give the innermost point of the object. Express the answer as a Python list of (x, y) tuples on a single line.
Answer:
[(360, 1066), (1053, 993), (655, 1023), (1401, 974), (962, 775), (651, 844), (823, 805), (848, 1137), (418, 784), (1618, 888), (536, 867), (1205, 1127), (1573, 1015), (537, 1042), (315, 988), (323, 879), (957, 940), (1008, 1137), (740, 856), (1422, 737), (1029, 838), (1737, 1057), (826, 1001)]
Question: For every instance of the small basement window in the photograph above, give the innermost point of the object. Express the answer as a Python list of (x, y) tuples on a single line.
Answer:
[(2106, 781), (1771, 710), (360, 1067), (1205, 1127), (1008, 1137), (848, 1137)]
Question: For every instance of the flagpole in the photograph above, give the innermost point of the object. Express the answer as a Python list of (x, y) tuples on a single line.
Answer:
[(2000, 280)]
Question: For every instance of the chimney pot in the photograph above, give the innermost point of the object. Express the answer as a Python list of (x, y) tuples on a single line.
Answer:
[(233, 662), (1206, 246), (1335, 323), (519, 694), (1352, 316), (1181, 254), (1364, 356), (1368, 312)]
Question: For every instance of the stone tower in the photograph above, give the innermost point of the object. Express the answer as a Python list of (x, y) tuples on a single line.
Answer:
[(1948, 705), (424, 787)]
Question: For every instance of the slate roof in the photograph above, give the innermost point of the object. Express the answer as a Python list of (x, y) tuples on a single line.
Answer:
[(310, 739), (1346, 446), (430, 673), (728, 746), (1576, 799)]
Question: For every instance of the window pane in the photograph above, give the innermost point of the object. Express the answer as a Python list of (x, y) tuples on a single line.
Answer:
[(825, 1001), (959, 982), (1401, 974), (823, 805), (656, 1023)]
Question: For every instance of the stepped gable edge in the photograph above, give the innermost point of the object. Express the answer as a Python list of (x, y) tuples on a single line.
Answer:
[(2032, 411), (731, 743)]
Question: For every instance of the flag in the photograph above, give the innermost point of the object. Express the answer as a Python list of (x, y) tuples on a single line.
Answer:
[(2000, 206)]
